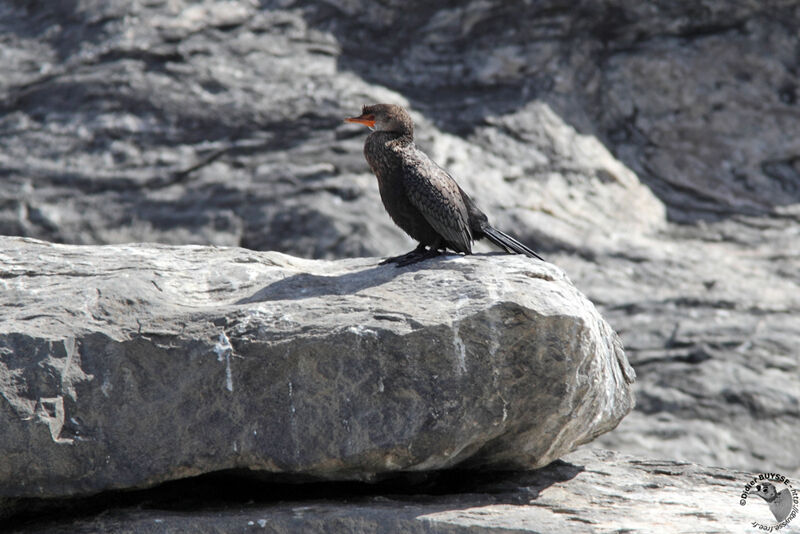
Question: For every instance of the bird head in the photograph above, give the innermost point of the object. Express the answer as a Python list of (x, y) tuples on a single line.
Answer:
[(766, 491), (385, 118)]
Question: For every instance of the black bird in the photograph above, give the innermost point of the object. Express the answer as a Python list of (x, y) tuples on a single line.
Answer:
[(421, 197)]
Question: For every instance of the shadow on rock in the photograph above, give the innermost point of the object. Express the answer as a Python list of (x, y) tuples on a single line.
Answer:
[(306, 285), (242, 489)]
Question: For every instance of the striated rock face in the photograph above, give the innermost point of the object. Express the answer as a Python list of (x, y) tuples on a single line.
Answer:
[(125, 366), (590, 491), (650, 149), (221, 123)]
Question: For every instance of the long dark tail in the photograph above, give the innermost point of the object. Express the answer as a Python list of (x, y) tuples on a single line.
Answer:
[(507, 242)]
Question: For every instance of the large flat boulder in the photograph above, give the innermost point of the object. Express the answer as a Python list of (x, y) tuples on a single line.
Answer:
[(125, 366)]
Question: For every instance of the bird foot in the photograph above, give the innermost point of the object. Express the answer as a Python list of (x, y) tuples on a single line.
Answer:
[(418, 254)]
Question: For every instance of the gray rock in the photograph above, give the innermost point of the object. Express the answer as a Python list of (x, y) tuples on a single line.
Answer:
[(648, 148), (592, 491), (712, 332), (125, 366), (222, 124)]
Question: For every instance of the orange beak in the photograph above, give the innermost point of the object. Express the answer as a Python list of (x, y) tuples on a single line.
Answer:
[(366, 119)]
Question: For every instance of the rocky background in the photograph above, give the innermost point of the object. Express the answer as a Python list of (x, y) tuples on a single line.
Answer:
[(652, 150)]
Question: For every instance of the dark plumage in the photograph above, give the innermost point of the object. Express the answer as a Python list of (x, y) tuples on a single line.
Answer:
[(421, 197)]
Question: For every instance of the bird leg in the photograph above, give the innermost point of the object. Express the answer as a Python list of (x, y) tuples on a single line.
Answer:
[(418, 254), (402, 257)]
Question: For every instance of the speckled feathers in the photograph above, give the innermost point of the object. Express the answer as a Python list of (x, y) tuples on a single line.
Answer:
[(420, 196)]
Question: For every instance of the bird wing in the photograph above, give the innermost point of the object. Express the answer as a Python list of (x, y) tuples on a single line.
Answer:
[(436, 194), (782, 505)]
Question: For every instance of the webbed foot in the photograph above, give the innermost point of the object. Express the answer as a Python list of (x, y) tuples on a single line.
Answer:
[(418, 254)]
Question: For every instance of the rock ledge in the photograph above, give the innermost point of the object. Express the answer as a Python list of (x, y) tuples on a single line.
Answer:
[(590, 491), (126, 366)]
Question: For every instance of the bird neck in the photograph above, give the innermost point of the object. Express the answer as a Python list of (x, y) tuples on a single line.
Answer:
[(400, 137)]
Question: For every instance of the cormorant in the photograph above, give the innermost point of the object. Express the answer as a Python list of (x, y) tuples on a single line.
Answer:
[(421, 197)]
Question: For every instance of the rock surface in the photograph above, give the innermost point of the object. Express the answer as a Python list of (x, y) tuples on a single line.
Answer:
[(125, 366), (591, 491), (648, 148)]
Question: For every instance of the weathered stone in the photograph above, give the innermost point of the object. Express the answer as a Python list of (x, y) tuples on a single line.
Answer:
[(124, 366), (712, 331), (591, 491), (220, 123)]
